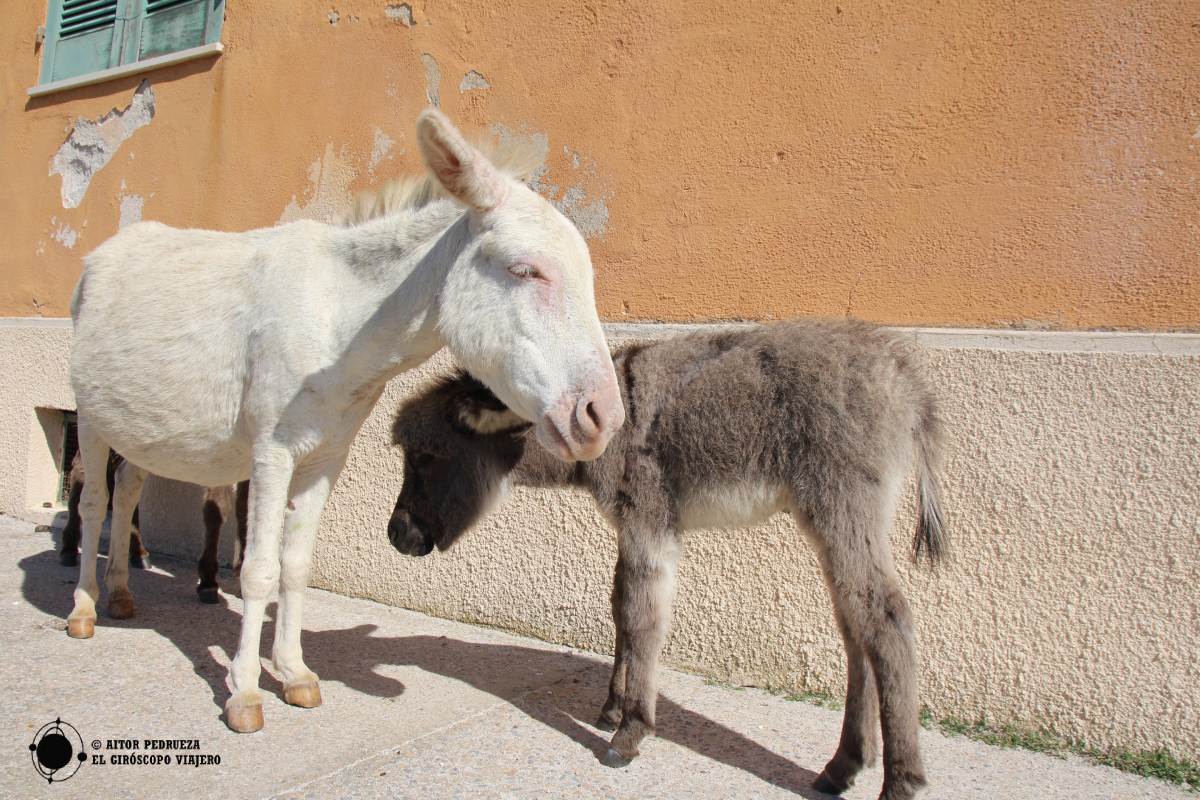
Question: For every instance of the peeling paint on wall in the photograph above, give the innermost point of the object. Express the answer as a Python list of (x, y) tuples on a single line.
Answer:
[(381, 149), (400, 12), (334, 16), (329, 189), (91, 145), (539, 142), (131, 210), (590, 218), (589, 215), (473, 80), (64, 234), (433, 78), (131, 207)]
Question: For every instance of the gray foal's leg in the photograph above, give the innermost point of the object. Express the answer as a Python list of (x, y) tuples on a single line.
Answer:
[(646, 573), (610, 714), (860, 572)]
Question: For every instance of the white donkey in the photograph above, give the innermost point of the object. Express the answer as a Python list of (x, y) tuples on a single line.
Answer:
[(214, 357)]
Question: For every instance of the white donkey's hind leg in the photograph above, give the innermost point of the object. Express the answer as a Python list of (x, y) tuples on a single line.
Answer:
[(270, 478), (309, 493), (127, 490), (93, 451)]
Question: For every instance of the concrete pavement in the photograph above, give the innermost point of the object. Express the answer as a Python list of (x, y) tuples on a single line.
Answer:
[(415, 706)]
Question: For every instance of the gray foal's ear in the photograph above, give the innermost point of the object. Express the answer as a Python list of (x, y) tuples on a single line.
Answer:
[(486, 421)]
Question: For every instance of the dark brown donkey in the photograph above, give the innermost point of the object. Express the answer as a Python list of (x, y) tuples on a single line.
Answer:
[(820, 419), (218, 502)]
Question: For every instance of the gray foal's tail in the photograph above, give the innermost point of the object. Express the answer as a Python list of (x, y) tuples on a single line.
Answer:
[(931, 536)]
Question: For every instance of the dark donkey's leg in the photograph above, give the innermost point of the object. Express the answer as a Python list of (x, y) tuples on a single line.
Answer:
[(646, 577), (68, 554), (139, 556), (856, 555), (243, 511), (610, 715), (214, 517)]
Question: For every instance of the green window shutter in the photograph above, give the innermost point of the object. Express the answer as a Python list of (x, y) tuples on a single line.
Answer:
[(81, 36), (85, 36), (172, 25)]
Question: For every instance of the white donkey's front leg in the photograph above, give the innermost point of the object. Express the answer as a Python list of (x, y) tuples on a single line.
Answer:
[(270, 478), (310, 489)]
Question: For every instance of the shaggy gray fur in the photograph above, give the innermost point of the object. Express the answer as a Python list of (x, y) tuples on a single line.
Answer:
[(822, 419)]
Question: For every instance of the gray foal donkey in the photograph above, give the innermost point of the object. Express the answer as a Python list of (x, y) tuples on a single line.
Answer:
[(821, 419)]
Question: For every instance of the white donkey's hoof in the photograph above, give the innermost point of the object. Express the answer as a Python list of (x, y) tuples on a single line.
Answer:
[(243, 716), (120, 604), (81, 627), (306, 694)]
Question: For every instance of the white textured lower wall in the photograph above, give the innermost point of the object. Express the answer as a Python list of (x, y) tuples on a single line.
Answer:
[(33, 375), (1072, 487)]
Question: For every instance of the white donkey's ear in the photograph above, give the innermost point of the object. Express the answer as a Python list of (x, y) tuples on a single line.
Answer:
[(462, 170)]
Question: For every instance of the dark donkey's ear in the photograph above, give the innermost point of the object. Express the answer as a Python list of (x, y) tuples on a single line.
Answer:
[(480, 412)]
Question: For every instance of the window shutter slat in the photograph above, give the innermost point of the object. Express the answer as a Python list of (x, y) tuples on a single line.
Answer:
[(159, 5), (85, 16), (73, 9)]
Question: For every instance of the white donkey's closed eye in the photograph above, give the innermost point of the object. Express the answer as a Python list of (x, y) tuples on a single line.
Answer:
[(526, 271)]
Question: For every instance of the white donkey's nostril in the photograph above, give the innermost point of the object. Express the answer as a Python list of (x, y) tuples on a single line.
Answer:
[(579, 426), (598, 414), (587, 418)]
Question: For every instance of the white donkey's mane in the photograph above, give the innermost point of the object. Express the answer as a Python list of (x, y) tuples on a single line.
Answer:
[(517, 157)]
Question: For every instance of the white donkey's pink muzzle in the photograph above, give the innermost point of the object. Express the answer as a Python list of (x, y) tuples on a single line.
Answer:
[(580, 425)]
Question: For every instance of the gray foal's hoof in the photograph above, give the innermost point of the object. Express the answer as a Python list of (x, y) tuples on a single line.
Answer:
[(208, 594), (613, 758), (825, 784)]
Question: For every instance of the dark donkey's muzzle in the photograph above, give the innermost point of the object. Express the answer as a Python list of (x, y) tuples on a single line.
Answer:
[(409, 536)]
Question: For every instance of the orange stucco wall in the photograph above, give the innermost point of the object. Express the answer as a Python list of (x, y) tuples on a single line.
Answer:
[(986, 163)]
